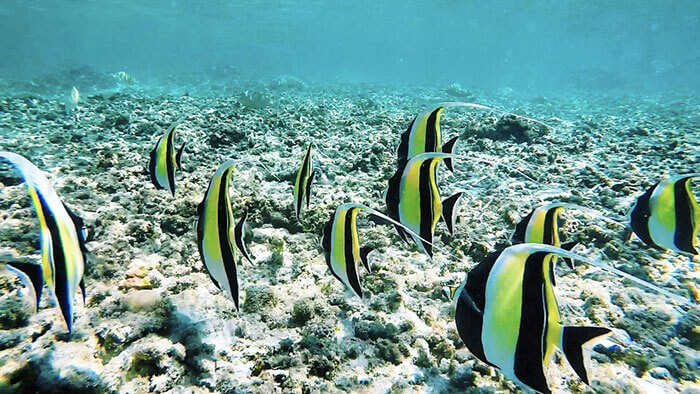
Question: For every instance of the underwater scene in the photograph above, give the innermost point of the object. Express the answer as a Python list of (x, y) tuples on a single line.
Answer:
[(275, 196)]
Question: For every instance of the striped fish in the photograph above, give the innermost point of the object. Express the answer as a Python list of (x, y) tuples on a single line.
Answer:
[(63, 254), (164, 159), (667, 216), (423, 135), (302, 184), (341, 245), (215, 230), (507, 316), (541, 226), (413, 199)]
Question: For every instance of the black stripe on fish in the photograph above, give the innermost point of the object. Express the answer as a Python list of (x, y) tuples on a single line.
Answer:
[(350, 267), (469, 313), (169, 150), (431, 132), (224, 241), (308, 188), (392, 199), (152, 167), (530, 347), (684, 235), (326, 240), (549, 227), (639, 217), (521, 229), (402, 151), (426, 205)]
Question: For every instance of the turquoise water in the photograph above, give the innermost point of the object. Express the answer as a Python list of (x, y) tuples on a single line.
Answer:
[(589, 103), (540, 46)]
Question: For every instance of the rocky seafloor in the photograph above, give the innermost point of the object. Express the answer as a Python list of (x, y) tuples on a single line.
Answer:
[(154, 322)]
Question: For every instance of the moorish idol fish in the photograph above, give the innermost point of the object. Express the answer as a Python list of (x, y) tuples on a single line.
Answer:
[(124, 77), (214, 232), (341, 245), (302, 184), (413, 199), (423, 135), (72, 101), (164, 159), (667, 216), (541, 226), (507, 316), (63, 253)]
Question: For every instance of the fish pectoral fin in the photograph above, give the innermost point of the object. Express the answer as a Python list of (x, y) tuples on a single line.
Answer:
[(36, 277), (448, 147), (178, 156), (364, 251), (450, 210), (573, 340), (308, 188)]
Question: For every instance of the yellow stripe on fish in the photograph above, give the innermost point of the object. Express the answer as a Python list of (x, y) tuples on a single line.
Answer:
[(667, 216), (164, 160), (302, 184), (63, 255), (216, 235)]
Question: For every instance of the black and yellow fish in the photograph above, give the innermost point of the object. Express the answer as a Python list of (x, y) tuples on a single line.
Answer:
[(341, 245), (63, 253), (541, 226), (217, 236), (413, 199), (507, 316), (424, 135), (302, 184), (666, 216), (164, 159)]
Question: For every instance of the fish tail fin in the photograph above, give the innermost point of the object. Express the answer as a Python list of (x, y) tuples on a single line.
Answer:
[(364, 251), (82, 288), (450, 209), (573, 339), (448, 147), (35, 275), (152, 169), (178, 156), (627, 234), (238, 233), (449, 292), (568, 246)]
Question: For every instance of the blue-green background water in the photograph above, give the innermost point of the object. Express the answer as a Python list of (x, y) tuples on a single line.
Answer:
[(538, 46)]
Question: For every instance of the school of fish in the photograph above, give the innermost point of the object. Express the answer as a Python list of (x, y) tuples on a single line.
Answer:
[(506, 310)]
